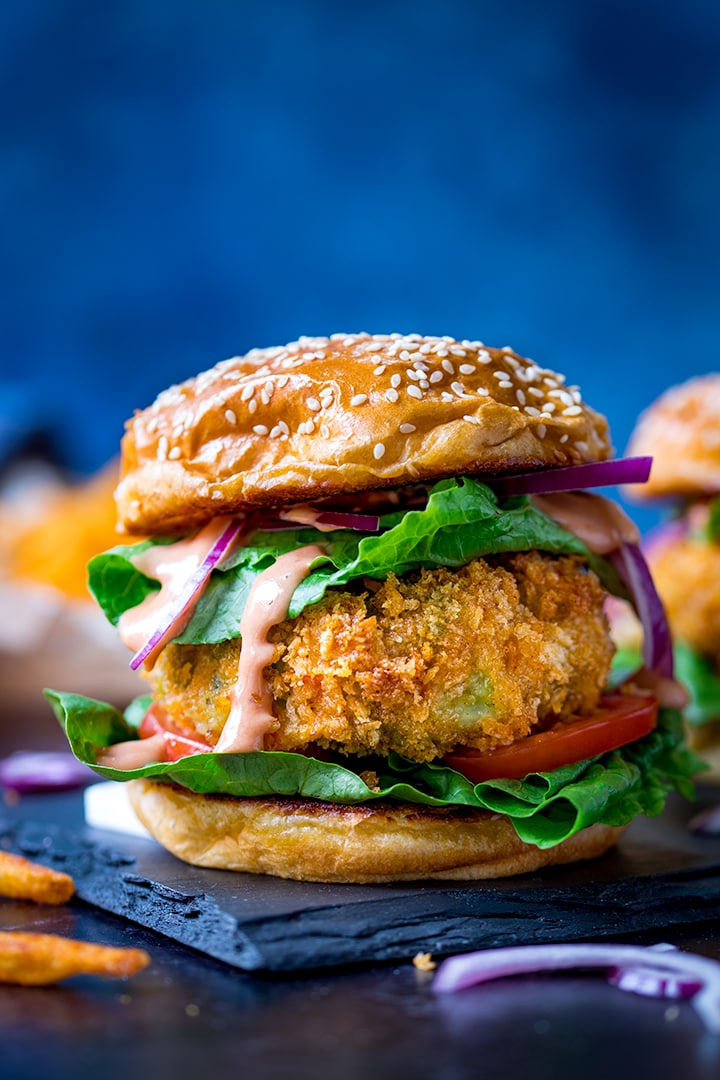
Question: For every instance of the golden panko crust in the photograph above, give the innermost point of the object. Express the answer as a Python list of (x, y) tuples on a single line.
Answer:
[(321, 417), (308, 840), (476, 656)]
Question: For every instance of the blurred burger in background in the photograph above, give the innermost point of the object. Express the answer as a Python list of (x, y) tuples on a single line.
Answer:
[(681, 431)]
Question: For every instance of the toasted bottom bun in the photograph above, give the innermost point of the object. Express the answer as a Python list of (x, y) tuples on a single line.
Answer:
[(308, 840)]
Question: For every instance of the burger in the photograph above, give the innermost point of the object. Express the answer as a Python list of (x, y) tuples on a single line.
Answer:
[(371, 617), (681, 430)]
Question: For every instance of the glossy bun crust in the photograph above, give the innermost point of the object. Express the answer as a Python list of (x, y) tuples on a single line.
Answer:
[(681, 431), (320, 417), (308, 840)]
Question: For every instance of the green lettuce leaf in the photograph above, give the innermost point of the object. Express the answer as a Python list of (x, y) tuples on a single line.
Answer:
[(694, 671), (711, 532), (702, 683), (545, 808), (462, 520)]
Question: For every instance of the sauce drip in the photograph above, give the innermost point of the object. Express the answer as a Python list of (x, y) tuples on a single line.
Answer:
[(133, 754), (251, 713), (600, 523), (172, 565)]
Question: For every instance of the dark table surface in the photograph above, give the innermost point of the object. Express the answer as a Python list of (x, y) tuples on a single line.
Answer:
[(190, 1015)]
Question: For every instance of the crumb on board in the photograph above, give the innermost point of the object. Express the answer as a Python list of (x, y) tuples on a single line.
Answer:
[(423, 961)]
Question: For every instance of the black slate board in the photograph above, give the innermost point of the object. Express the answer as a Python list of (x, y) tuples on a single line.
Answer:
[(659, 876)]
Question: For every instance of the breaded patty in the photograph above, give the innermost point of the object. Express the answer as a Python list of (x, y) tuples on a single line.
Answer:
[(477, 656), (686, 572)]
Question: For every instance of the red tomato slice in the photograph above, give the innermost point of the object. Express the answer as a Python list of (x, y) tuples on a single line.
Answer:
[(620, 719), (155, 722)]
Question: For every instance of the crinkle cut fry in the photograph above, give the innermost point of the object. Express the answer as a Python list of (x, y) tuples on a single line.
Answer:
[(21, 879), (28, 959)]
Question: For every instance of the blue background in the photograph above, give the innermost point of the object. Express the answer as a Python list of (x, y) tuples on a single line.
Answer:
[(181, 181)]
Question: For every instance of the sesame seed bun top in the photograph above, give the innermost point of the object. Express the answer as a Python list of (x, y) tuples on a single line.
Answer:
[(681, 432), (323, 417)]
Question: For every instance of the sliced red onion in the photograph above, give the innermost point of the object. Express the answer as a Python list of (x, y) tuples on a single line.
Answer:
[(631, 470), (34, 771), (707, 822), (634, 572), (360, 522), (652, 983), (175, 616), (307, 517), (460, 972)]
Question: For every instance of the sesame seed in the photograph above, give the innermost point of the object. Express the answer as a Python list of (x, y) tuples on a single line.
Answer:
[(395, 380), (436, 377), (505, 384), (325, 431), (405, 355), (572, 410), (531, 410), (446, 397), (520, 396), (540, 431), (358, 399), (252, 406), (309, 426), (162, 447), (500, 374), (483, 357), (374, 346), (471, 419), (415, 391), (283, 427), (276, 432), (458, 388), (466, 369), (564, 438), (391, 394), (378, 450), (174, 453), (407, 429), (260, 429), (482, 391), (425, 349), (582, 446), (247, 392), (380, 369), (535, 391), (230, 416), (448, 366), (314, 404), (443, 353), (283, 381), (269, 387), (264, 396)]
